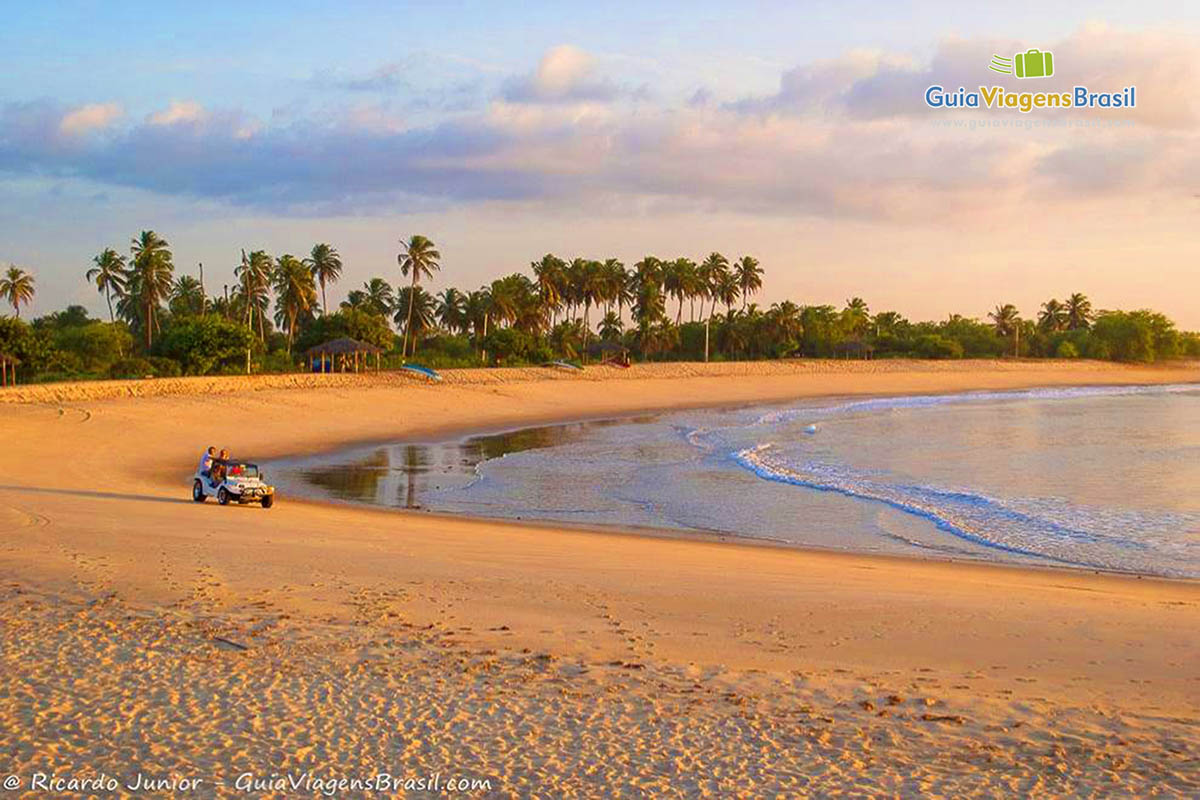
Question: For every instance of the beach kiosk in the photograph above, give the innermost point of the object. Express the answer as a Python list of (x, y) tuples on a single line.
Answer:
[(343, 355), (8, 369)]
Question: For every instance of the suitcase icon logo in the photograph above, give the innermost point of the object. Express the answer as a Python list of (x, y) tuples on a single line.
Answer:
[(1033, 63)]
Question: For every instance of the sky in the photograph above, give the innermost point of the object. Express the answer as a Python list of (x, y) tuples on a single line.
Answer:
[(794, 132)]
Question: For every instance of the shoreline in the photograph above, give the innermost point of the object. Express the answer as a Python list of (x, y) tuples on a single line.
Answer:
[(439, 437), (459, 633)]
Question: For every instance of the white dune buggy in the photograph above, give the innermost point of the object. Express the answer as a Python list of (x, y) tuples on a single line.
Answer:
[(233, 482)]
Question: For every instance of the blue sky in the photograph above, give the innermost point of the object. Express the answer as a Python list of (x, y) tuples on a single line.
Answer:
[(506, 130)]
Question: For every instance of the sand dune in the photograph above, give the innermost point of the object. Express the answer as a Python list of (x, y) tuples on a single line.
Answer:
[(142, 632)]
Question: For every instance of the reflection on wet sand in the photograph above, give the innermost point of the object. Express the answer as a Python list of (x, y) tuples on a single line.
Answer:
[(398, 475)]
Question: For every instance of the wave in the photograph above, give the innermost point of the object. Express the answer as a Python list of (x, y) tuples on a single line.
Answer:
[(1040, 529), (933, 400)]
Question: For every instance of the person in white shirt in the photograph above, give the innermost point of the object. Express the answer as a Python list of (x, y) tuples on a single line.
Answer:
[(206, 461)]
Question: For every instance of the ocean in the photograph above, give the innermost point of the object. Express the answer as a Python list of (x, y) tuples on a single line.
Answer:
[(1092, 477)]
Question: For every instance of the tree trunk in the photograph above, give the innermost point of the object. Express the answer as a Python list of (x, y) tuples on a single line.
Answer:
[(324, 302), (408, 326)]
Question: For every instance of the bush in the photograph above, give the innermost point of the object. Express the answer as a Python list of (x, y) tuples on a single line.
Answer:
[(202, 345), (506, 344), (933, 345), (369, 328), (165, 367), (131, 368), (1066, 349), (97, 344)]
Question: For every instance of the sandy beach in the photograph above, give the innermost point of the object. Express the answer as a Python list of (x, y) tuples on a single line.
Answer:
[(143, 633)]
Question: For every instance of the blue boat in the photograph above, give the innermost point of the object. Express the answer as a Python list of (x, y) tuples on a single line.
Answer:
[(563, 365), (425, 371)]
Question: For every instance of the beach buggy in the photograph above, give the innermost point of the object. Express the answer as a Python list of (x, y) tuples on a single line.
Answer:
[(233, 482)]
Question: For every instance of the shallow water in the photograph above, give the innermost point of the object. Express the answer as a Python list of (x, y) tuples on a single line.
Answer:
[(1101, 477)]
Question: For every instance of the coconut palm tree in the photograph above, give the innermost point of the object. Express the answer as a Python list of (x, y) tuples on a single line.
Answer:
[(421, 313), (856, 316), (727, 290), (679, 279), (420, 259), (109, 276), (326, 266), (452, 310), (151, 269), (1007, 322), (1053, 317), (356, 300), (187, 296), (295, 293), (749, 277), (614, 281), (709, 273), (16, 287), (1079, 312), (611, 327), (550, 276), (478, 310), (591, 286), (254, 274), (379, 298)]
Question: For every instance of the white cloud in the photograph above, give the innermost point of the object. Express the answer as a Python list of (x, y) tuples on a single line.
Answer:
[(179, 111), (95, 116)]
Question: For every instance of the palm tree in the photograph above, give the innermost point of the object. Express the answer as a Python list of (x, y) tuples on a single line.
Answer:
[(255, 275), (550, 276), (749, 277), (857, 316), (326, 266), (1007, 322), (187, 296), (295, 293), (150, 271), (420, 259), (379, 298), (1079, 312), (17, 288), (109, 276), (478, 310), (614, 281), (452, 310), (709, 273), (421, 312), (591, 286), (679, 279), (611, 327), (356, 300), (1053, 316), (727, 291)]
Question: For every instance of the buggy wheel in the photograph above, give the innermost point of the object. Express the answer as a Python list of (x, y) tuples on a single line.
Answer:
[(268, 500), (198, 492), (223, 496)]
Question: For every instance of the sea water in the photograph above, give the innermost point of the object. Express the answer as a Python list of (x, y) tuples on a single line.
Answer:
[(1094, 477)]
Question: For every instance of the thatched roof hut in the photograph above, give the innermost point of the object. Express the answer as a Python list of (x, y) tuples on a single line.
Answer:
[(344, 353), (8, 367)]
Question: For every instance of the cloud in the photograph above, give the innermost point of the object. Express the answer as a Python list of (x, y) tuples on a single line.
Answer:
[(872, 85), (86, 119), (841, 138), (565, 74), (186, 111), (388, 77)]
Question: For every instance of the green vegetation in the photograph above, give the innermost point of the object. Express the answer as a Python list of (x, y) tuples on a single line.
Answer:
[(163, 324)]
